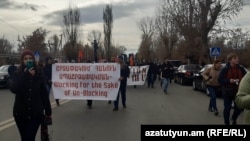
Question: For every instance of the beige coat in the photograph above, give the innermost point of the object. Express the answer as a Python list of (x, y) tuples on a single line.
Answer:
[(211, 76)]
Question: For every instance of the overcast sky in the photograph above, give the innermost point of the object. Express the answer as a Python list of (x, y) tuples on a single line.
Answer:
[(22, 17)]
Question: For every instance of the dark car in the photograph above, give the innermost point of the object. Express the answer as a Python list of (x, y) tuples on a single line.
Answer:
[(184, 73), (175, 64), (200, 84), (4, 76)]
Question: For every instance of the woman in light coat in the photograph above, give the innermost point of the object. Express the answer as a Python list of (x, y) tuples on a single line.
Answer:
[(210, 75)]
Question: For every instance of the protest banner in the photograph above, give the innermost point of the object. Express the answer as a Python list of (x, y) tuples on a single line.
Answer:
[(138, 75), (98, 81)]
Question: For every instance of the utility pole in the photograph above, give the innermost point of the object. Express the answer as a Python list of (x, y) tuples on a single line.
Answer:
[(95, 45)]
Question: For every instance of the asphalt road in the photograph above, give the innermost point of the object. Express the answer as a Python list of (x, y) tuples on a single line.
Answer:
[(73, 121)]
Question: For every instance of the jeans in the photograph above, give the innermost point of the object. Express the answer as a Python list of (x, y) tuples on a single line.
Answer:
[(227, 108), (165, 82), (151, 79), (212, 93)]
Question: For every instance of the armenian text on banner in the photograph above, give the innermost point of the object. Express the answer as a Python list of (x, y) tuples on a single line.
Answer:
[(138, 75), (98, 81)]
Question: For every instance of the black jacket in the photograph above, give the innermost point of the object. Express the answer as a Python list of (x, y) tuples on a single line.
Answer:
[(124, 73), (31, 96), (223, 80), (48, 73), (166, 70)]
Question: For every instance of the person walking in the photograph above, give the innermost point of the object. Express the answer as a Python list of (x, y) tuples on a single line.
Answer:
[(31, 97), (89, 101), (230, 77), (123, 84), (152, 74), (48, 75), (242, 99), (166, 70), (210, 75), (47, 69)]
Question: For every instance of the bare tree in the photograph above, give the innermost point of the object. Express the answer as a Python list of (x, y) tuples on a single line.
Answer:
[(167, 32), (196, 18), (54, 47), (71, 21), (5, 46), (95, 35), (146, 25), (107, 27), (35, 42), (238, 39)]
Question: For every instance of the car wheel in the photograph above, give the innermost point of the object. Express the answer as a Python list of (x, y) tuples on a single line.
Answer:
[(207, 91), (175, 79), (202, 86), (194, 85), (181, 81)]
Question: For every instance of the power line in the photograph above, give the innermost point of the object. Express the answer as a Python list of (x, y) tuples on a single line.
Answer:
[(11, 26)]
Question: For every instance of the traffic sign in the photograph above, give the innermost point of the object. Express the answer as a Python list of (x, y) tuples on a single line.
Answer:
[(215, 51), (37, 55)]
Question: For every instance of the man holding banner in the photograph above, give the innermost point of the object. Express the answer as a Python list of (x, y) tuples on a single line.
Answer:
[(124, 69)]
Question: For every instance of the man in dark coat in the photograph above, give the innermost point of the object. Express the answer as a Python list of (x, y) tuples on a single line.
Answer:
[(123, 83), (166, 71)]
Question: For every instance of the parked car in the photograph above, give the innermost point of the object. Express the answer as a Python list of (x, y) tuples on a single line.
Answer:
[(4, 76), (184, 73), (175, 64), (200, 84)]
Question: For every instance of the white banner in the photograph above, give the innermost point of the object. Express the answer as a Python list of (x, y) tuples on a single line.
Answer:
[(98, 81), (138, 75)]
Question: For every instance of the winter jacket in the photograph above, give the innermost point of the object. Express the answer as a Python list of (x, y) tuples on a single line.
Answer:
[(166, 70), (48, 73), (242, 98), (211, 76), (31, 96), (124, 72), (228, 72)]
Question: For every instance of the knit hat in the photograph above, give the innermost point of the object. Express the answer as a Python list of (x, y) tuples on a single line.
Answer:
[(27, 52)]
